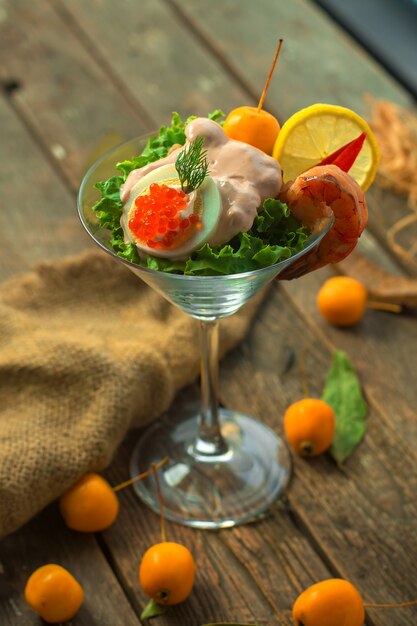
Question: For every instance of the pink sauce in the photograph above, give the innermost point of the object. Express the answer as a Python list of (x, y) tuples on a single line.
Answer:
[(244, 175)]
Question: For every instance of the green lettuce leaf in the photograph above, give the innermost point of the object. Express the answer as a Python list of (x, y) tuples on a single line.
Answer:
[(157, 147), (275, 234)]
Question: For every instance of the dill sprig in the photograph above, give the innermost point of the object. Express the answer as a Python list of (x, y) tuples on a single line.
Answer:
[(191, 165)]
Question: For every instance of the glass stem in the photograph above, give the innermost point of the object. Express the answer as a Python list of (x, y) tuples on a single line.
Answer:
[(209, 440)]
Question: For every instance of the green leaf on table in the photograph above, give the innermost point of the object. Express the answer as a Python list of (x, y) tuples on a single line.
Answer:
[(343, 392), (153, 609)]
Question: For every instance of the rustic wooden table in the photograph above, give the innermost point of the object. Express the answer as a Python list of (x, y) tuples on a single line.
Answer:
[(78, 76)]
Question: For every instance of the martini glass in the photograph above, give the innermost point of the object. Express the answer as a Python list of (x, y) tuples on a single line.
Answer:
[(224, 468)]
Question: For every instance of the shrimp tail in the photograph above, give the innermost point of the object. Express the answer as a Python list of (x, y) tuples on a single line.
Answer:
[(321, 193)]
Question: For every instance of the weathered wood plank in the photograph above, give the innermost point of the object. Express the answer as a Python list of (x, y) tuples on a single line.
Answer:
[(64, 96), (279, 558), (217, 594), (317, 509), (251, 574), (38, 219), (380, 347), (155, 56), (360, 518), (319, 62), (46, 540)]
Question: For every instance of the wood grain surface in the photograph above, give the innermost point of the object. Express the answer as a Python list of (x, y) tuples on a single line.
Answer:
[(79, 77)]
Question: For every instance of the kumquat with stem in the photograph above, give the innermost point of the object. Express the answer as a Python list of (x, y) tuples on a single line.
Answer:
[(167, 569), (91, 505), (335, 602), (254, 125)]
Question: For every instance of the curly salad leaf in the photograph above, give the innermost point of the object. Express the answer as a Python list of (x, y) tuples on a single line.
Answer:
[(274, 236)]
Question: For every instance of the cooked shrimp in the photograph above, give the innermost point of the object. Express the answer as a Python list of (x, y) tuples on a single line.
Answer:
[(316, 195)]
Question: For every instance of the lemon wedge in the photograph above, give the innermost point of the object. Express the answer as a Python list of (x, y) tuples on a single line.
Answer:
[(313, 133)]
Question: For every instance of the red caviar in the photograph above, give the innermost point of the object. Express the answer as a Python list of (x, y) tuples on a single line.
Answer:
[(156, 220)]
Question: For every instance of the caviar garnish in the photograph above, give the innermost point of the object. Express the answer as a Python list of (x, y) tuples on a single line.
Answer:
[(156, 219)]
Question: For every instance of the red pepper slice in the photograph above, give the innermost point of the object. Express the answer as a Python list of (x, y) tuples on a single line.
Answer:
[(345, 156)]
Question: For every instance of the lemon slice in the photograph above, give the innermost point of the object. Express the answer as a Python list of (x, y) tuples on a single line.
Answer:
[(313, 133)]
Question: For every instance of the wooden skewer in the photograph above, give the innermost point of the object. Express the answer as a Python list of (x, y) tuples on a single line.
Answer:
[(271, 71)]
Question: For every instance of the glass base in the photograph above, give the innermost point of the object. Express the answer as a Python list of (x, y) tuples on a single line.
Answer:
[(206, 491)]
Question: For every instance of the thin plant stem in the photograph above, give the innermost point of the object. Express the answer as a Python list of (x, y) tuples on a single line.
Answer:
[(394, 605), (384, 306), (141, 476), (161, 502)]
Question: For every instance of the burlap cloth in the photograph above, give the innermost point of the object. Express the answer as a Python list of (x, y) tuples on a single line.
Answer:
[(87, 350)]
